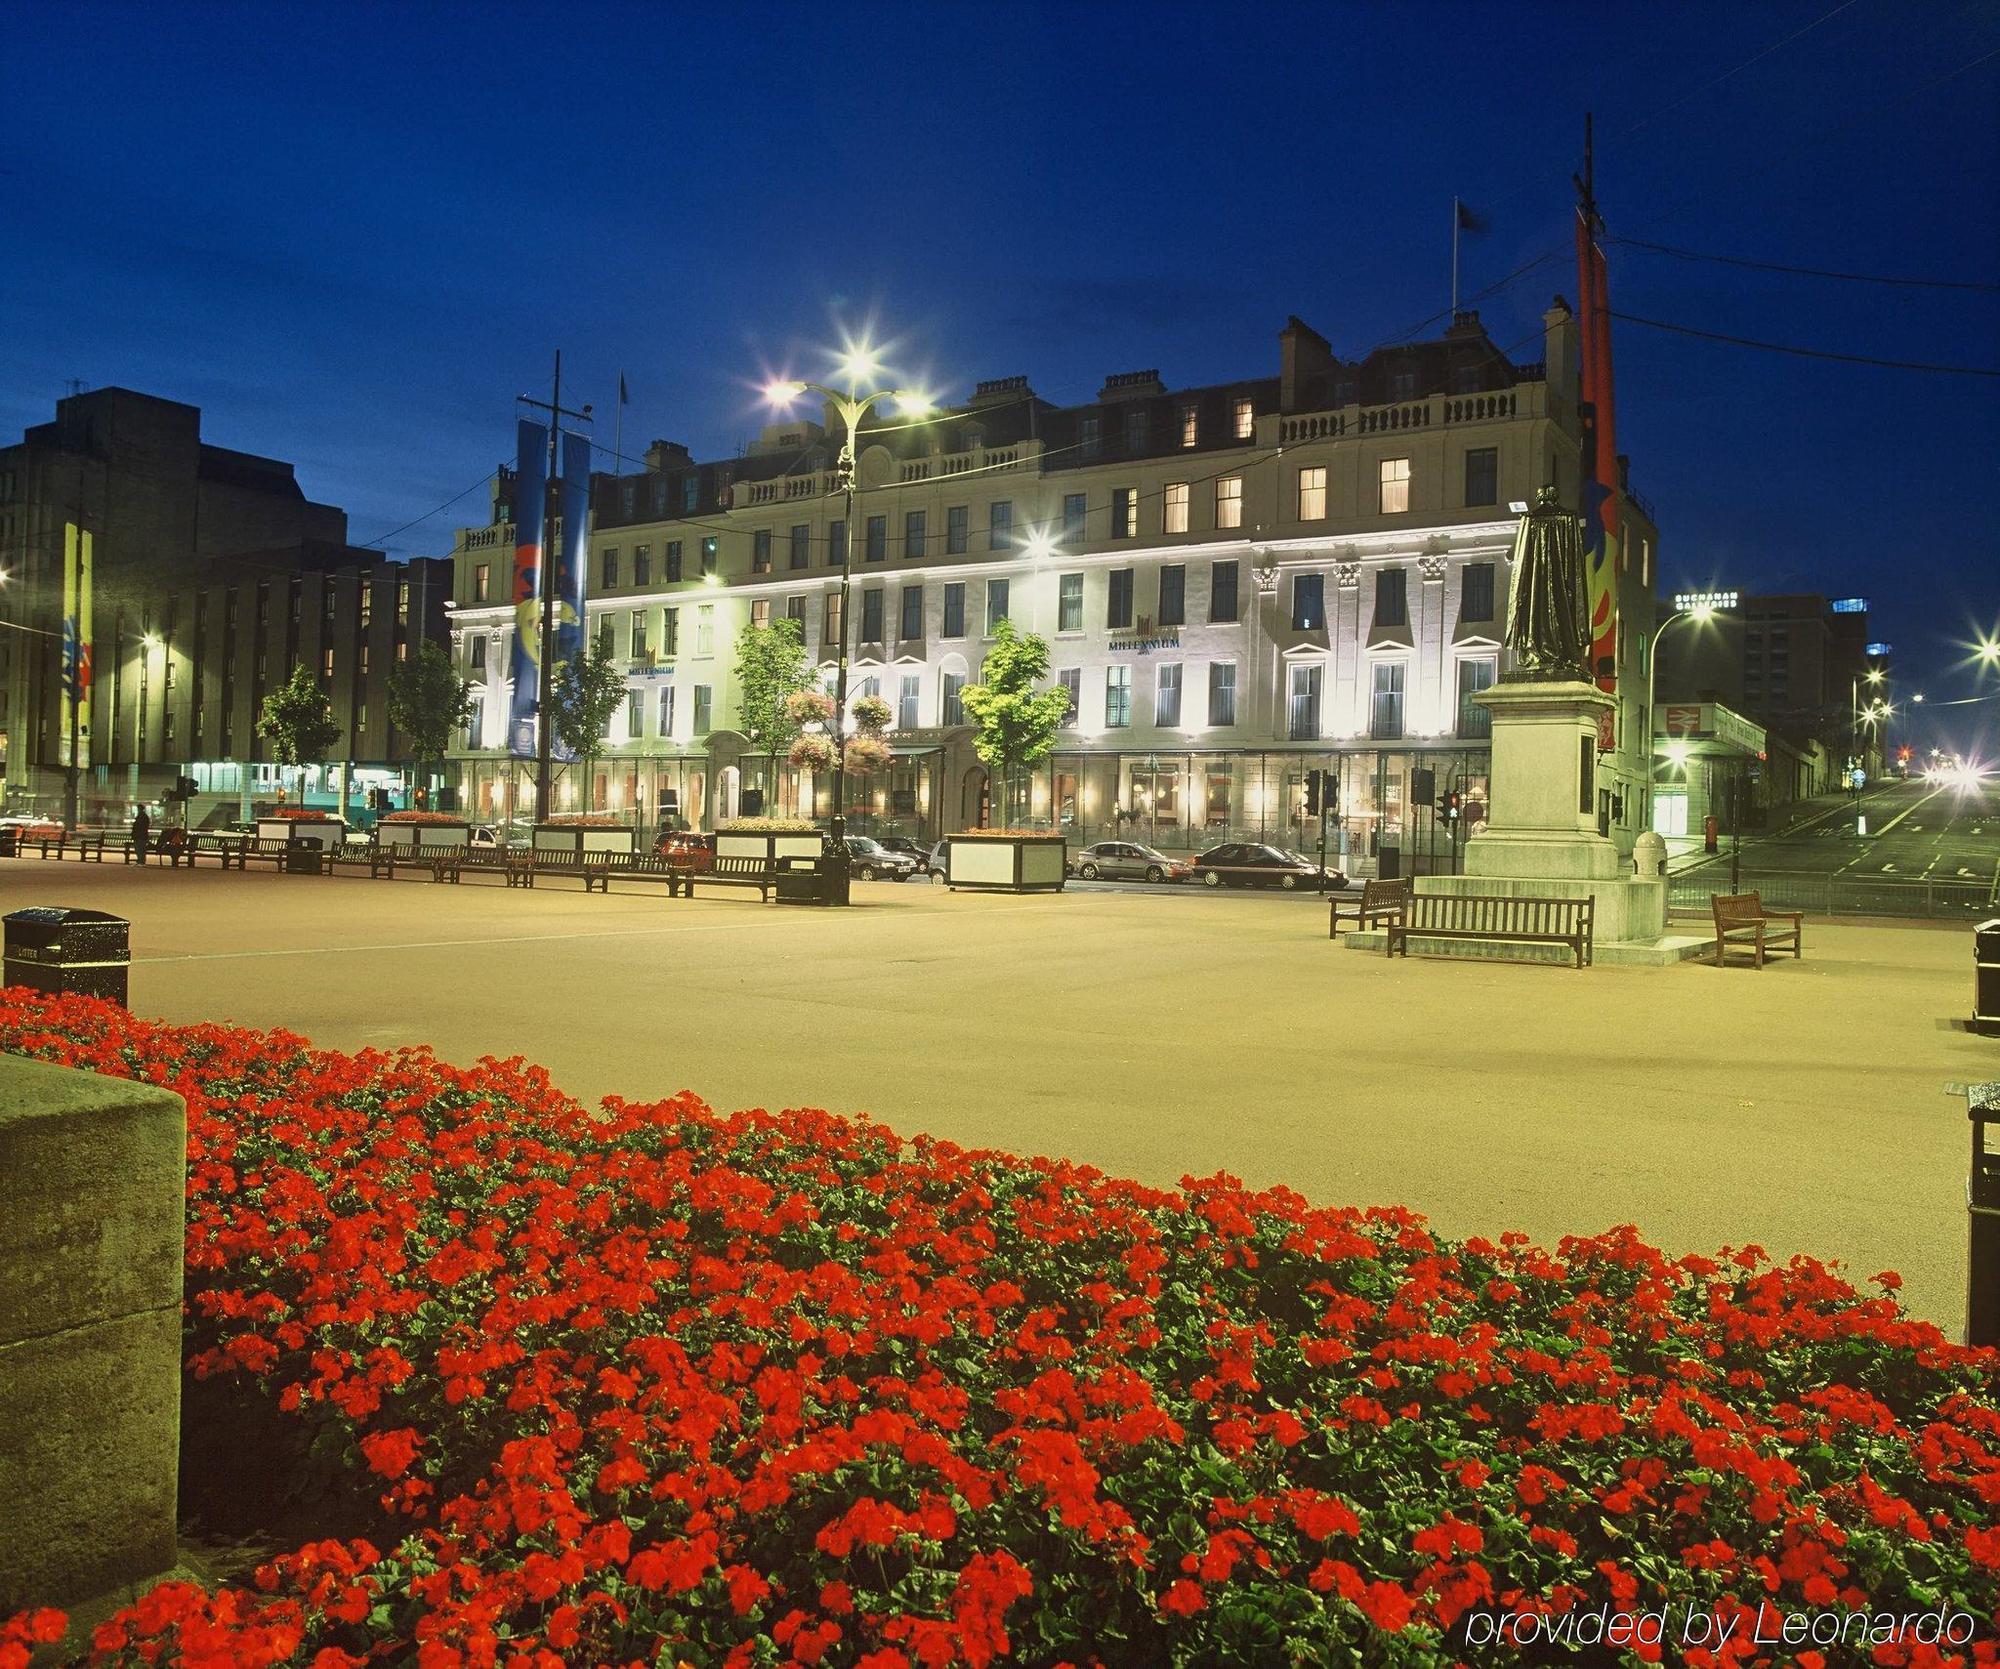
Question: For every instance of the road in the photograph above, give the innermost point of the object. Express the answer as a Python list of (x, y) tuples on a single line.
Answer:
[(1916, 832)]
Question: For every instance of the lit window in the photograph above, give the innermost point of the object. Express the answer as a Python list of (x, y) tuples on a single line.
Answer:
[(1190, 424), (704, 629), (1246, 419), (1395, 473), (1174, 513), (1117, 697), (1124, 513), (482, 585), (1167, 697), (1229, 501), (1070, 681), (1312, 494), (760, 612), (1221, 692)]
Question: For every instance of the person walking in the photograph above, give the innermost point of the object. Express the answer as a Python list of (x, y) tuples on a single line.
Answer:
[(142, 833)]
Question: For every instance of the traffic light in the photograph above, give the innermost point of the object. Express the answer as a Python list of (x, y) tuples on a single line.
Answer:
[(1448, 806), (1313, 781)]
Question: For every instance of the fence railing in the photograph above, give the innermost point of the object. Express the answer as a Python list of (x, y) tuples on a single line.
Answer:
[(1838, 895)]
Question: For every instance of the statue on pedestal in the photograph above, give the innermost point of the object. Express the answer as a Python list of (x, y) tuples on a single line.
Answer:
[(1548, 609)]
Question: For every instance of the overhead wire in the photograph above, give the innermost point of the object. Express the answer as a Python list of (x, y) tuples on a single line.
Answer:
[(1809, 353), (1806, 272)]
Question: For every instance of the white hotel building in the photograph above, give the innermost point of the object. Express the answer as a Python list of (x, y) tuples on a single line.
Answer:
[(1251, 580)]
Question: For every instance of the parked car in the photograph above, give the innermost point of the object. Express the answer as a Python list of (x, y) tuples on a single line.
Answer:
[(871, 858), (690, 850), (939, 859), (1252, 865), (914, 850), (1127, 860)]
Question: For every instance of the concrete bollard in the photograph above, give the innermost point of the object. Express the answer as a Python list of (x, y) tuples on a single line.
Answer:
[(91, 1236)]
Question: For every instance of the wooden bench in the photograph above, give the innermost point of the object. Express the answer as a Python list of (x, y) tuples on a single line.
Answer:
[(1533, 921), (594, 869), (1380, 901), (673, 870), (88, 846), (226, 849), (279, 853), (1738, 915), (760, 873)]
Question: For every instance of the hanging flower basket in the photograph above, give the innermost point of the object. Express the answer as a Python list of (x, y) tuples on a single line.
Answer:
[(812, 753), (805, 707), (866, 754)]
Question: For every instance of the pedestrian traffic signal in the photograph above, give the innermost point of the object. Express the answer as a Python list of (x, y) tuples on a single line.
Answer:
[(1314, 779), (1449, 806)]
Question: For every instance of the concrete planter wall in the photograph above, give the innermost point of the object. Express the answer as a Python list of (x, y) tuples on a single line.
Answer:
[(1006, 863), (569, 837), (326, 833), (428, 837), (806, 845)]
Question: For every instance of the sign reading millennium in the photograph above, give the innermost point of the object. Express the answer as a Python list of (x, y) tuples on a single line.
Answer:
[(1145, 645)]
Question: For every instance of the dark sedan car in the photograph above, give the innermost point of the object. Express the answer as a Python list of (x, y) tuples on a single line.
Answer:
[(1250, 865), (913, 850)]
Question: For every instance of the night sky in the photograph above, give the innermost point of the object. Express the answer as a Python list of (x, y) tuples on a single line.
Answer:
[(353, 234)]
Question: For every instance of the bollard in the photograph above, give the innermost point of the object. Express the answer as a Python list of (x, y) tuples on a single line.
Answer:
[(90, 1331), (1982, 1208)]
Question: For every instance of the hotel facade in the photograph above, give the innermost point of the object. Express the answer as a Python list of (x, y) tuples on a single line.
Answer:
[(1248, 581)]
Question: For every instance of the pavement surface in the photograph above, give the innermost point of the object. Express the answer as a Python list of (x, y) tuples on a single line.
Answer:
[(1802, 1107)]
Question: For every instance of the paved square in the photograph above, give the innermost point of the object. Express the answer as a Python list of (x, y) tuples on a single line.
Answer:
[(1801, 1107)]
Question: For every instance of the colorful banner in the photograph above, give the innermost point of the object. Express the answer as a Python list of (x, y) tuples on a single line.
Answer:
[(1602, 544), (74, 676), (531, 475)]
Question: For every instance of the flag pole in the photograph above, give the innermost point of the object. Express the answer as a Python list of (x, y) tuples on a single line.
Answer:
[(618, 431)]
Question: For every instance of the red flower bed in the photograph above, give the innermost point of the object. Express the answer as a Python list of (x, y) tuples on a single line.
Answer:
[(659, 1385)]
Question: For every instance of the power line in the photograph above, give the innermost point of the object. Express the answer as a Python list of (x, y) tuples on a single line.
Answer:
[(1810, 353), (384, 538), (1807, 272), (1726, 74)]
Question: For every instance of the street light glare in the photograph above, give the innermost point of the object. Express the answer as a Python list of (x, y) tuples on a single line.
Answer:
[(1703, 612), (783, 392), (859, 365), (1041, 544), (1874, 675), (915, 404)]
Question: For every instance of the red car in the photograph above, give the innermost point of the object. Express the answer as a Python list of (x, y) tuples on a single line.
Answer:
[(695, 852)]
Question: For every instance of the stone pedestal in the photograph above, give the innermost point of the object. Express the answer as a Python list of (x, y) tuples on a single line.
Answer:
[(90, 1331), (1541, 840)]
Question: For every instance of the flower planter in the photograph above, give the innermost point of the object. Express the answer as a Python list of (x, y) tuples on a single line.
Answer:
[(806, 846), (422, 837), (1005, 863), (326, 833), (571, 838)]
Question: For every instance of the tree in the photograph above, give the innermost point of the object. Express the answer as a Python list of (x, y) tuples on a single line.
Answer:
[(771, 668), (427, 702), (297, 720), (1016, 723), (584, 696)]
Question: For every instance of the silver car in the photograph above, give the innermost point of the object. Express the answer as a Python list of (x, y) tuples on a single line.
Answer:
[(869, 859), (1127, 860)]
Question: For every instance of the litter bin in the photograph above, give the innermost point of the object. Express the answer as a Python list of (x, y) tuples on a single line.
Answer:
[(1389, 863), (10, 841), (800, 882), (1986, 974), (58, 950), (1982, 1206)]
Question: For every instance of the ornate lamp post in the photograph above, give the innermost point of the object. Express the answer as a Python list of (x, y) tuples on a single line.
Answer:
[(858, 368)]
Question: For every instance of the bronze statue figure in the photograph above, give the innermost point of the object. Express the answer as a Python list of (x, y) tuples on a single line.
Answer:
[(1548, 607)]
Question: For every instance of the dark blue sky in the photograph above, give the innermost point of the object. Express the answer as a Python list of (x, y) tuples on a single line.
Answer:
[(353, 234)]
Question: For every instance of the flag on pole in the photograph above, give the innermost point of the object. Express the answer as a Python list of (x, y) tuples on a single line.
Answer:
[(1470, 219), (624, 399)]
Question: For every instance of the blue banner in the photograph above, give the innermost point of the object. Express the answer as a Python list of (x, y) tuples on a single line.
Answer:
[(572, 561), (530, 499)]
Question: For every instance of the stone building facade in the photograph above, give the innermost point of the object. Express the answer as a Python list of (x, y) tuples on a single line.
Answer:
[(1248, 581)]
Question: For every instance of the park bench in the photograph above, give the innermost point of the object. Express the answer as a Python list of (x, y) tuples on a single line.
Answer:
[(673, 870), (281, 854), (594, 869), (1380, 901), (86, 844), (1741, 920), (1535, 921), (760, 873), (226, 849)]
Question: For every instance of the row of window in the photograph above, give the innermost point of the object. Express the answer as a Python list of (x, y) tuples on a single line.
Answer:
[(1476, 604), (1482, 473)]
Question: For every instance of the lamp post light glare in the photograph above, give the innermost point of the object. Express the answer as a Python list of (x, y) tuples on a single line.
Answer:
[(860, 363)]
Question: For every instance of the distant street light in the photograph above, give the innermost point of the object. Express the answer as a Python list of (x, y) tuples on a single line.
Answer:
[(1701, 609)]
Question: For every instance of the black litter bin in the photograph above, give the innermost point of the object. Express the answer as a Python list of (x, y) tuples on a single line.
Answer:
[(1986, 974), (10, 841), (1982, 1205), (1389, 863), (801, 883), (59, 950)]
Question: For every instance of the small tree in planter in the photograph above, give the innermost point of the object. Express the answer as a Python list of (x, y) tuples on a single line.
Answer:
[(584, 696), (771, 668), (298, 722), (427, 702), (1016, 723)]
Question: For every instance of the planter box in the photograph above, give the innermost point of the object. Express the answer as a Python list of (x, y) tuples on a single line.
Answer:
[(806, 846), (327, 833), (427, 837), (570, 838), (1006, 863)]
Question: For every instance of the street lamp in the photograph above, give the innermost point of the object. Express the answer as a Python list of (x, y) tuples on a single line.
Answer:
[(1701, 609), (859, 366)]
